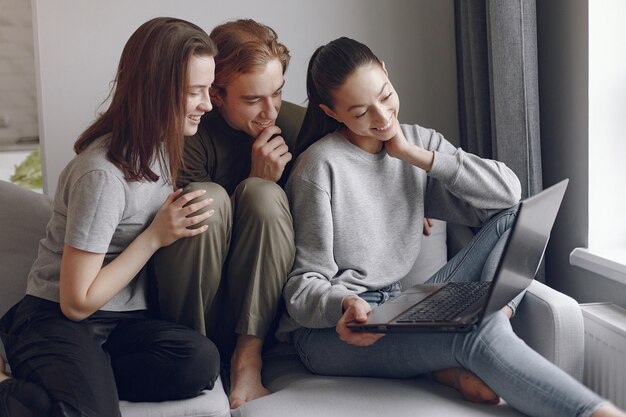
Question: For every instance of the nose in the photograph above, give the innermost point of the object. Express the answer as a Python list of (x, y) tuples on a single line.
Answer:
[(380, 114), (268, 110), (205, 103)]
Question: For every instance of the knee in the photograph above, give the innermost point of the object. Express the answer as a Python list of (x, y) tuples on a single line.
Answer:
[(221, 202), (507, 219), (188, 357), (262, 199), (201, 367)]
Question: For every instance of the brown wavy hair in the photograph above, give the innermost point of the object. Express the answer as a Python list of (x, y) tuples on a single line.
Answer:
[(244, 45), (145, 119)]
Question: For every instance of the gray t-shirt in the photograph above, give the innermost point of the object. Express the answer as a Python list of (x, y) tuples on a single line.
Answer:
[(97, 210), (358, 217)]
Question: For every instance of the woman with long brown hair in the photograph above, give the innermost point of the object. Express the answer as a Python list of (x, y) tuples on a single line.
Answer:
[(81, 338)]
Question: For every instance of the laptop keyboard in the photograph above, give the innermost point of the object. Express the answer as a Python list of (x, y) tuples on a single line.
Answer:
[(447, 303)]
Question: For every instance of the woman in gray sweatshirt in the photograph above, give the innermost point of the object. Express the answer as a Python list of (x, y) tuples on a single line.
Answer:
[(358, 198)]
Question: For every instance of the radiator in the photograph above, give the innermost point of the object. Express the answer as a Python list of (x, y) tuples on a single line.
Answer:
[(605, 351)]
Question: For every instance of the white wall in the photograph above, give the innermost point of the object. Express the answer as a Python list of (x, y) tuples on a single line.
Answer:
[(18, 101), (78, 44)]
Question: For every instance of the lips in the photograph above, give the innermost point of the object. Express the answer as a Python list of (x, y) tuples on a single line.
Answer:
[(195, 118), (264, 124)]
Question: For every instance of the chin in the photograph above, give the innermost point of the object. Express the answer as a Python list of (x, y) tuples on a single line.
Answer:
[(253, 131), (190, 131), (387, 135)]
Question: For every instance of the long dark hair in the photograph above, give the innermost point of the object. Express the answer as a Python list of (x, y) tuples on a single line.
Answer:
[(329, 67), (146, 116)]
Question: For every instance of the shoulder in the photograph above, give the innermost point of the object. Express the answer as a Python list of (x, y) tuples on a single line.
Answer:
[(291, 110), (319, 158), (92, 170), (94, 158), (417, 134), (324, 149), (290, 120), (424, 137)]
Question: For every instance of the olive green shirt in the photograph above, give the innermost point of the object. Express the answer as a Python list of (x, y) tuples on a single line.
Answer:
[(218, 153)]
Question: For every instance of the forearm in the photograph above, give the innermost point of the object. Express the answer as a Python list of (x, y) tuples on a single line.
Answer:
[(81, 296), (419, 157), (483, 183), (120, 272)]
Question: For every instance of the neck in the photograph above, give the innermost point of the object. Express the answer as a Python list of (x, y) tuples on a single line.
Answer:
[(369, 145)]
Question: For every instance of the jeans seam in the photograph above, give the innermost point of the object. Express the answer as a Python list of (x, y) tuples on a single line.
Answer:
[(303, 357)]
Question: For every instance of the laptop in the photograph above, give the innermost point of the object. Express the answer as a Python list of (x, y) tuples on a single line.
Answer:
[(459, 307)]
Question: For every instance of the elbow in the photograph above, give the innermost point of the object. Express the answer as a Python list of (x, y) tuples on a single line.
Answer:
[(514, 197), (516, 193), (73, 312), (513, 193), (516, 190)]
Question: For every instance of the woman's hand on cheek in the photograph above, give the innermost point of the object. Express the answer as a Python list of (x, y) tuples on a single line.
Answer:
[(398, 146), (355, 309)]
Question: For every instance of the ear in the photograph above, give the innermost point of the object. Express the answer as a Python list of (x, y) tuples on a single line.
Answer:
[(327, 110), (217, 99), (384, 69)]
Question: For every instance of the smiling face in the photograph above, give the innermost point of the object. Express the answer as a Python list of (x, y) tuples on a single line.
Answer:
[(201, 72), (252, 100), (367, 104)]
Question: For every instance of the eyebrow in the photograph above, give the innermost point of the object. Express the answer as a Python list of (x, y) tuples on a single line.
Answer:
[(253, 97), (363, 105)]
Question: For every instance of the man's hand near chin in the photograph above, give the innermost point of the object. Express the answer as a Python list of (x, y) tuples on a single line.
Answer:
[(270, 154)]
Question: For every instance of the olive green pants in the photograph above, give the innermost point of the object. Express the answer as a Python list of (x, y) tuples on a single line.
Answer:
[(228, 280)]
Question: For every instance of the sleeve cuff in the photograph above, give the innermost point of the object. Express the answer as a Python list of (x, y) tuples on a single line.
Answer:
[(445, 167)]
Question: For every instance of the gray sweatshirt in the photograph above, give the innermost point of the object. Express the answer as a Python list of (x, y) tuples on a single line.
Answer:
[(358, 217)]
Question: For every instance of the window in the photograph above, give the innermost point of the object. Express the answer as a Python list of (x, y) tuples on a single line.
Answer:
[(606, 254)]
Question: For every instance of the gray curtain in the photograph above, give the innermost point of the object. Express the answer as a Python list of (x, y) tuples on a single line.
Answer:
[(496, 44), (498, 88)]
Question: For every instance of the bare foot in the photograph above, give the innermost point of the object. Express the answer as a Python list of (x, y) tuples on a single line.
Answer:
[(245, 372), (3, 376), (609, 410), (468, 384)]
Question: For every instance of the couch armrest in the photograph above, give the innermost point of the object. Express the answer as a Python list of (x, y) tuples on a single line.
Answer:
[(552, 324)]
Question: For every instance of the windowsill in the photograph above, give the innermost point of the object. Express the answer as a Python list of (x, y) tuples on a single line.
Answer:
[(610, 264)]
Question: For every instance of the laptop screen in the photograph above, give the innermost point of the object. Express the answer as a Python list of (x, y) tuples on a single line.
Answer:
[(526, 245)]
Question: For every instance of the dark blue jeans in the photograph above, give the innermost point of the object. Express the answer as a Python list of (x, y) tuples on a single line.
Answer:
[(67, 368)]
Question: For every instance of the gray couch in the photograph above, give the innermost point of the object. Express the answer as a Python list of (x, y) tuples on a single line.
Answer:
[(547, 320)]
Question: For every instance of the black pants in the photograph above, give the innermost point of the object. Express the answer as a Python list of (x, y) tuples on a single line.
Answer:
[(67, 368)]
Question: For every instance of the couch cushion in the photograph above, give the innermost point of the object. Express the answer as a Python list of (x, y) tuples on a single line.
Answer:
[(433, 255), (212, 403), (297, 392), (23, 218)]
